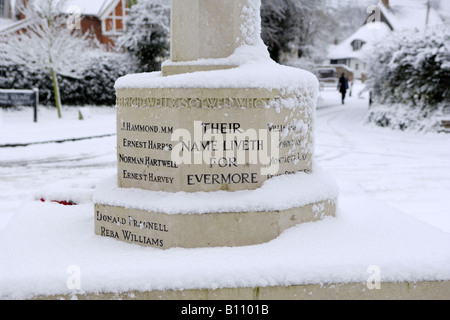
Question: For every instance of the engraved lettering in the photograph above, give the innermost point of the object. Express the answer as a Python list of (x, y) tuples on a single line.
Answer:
[(231, 178)]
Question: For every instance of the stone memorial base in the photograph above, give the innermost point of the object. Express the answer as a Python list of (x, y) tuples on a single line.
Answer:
[(215, 229), (217, 159), (166, 220)]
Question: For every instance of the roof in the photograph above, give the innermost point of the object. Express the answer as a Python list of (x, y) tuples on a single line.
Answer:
[(368, 33), (90, 7), (98, 8), (401, 15), (87, 7), (5, 22), (409, 14), (9, 26)]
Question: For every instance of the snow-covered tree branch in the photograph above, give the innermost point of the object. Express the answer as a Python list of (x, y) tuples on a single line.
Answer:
[(147, 33)]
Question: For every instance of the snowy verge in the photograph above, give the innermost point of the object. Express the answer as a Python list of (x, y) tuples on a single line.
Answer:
[(45, 245), (17, 126), (279, 193), (59, 191)]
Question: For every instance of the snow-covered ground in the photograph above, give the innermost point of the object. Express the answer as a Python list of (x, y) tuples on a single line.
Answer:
[(71, 167), (393, 211), (407, 170)]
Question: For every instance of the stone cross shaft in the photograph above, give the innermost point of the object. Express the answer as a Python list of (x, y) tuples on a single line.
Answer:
[(204, 29)]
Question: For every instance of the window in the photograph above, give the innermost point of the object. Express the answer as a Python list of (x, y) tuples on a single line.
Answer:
[(115, 23), (357, 45), (326, 73), (338, 61), (3, 10)]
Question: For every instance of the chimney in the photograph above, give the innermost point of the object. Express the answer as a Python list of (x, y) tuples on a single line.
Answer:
[(386, 3), (336, 42)]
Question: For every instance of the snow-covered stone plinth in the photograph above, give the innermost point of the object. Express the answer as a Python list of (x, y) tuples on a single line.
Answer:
[(213, 219)]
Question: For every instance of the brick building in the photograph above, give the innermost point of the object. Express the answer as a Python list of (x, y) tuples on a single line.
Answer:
[(103, 19)]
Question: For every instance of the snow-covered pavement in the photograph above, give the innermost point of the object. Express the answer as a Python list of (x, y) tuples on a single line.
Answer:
[(409, 171)]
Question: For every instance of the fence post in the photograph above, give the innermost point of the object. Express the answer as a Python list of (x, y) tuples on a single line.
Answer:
[(36, 102)]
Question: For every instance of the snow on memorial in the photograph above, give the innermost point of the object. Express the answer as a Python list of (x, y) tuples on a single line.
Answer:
[(217, 149)]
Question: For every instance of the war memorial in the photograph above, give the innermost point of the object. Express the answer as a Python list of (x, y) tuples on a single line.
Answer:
[(218, 194)]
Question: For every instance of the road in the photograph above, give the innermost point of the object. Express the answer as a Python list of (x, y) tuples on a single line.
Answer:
[(409, 171)]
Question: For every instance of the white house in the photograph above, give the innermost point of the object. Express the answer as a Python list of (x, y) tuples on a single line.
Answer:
[(352, 51), (388, 16)]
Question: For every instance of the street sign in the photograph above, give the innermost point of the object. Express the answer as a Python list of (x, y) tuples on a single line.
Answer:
[(20, 98)]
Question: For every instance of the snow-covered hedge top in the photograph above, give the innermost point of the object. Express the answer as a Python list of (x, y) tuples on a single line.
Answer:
[(412, 68)]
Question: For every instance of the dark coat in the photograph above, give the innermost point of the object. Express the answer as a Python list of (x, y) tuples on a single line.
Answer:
[(343, 84)]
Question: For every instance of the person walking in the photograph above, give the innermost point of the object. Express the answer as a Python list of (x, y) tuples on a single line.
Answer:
[(343, 86)]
